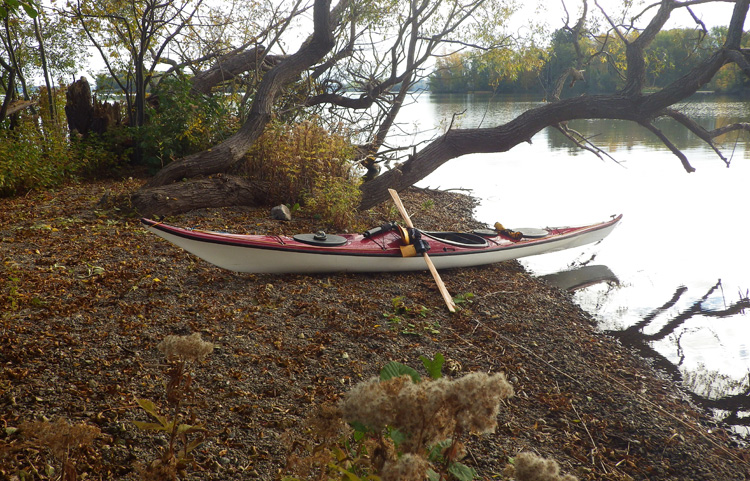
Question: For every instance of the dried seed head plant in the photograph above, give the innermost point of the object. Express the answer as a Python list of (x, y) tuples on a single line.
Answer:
[(403, 428), (429, 411), (180, 352), (420, 425), (185, 348), (65, 441), (409, 467), (530, 467)]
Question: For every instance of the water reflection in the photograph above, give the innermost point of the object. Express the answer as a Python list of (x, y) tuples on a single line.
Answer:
[(618, 135), (580, 278), (679, 228), (726, 398)]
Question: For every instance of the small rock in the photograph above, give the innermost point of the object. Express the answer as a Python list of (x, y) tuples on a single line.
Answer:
[(281, 212)]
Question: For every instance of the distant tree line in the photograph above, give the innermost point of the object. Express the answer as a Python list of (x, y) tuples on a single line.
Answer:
[(672, 54)]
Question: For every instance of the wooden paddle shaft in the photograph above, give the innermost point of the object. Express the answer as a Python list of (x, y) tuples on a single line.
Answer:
[(441, 286), (401, 208)]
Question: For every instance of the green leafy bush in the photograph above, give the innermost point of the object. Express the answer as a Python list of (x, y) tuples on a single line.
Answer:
[(305, 164), (34, 154), (36, 151), (104, 155), (182, 122), (335, 199)]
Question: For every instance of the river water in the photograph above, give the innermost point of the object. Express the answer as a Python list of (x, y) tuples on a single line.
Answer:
[(680, 254)]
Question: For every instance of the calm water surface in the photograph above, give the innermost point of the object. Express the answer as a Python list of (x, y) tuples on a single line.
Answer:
[(680, 253)]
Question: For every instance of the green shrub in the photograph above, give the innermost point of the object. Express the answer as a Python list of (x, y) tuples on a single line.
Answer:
[(305, 164), (183, 123), (36, 151), (34, 154), (104, 155), (335, 199)]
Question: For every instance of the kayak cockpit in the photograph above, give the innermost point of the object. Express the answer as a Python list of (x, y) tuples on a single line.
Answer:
[(460, 239)]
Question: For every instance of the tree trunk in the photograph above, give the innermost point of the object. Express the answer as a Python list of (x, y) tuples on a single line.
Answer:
[(10, 91), (225, 155), (231, 66), (217, 191), (45, 70), (79, 108)]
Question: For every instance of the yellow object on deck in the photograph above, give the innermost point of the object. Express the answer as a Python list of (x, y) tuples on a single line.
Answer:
[(511, 234)]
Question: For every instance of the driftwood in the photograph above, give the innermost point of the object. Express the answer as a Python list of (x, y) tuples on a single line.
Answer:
[(215, 191), (18, 106)]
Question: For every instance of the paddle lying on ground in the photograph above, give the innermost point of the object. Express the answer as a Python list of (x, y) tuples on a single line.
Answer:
[(441, 286)]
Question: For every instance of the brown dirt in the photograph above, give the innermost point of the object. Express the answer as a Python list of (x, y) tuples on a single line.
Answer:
[(86, 296)]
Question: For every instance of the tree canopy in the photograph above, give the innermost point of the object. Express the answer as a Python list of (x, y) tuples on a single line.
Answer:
[(8, 7)]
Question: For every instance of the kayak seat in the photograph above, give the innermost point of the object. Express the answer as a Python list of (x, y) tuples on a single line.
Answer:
[(462, 239)]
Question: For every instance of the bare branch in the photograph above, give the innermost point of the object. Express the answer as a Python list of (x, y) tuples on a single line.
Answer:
[(730, 128), (695, 128), (583, 142), (673, 148)]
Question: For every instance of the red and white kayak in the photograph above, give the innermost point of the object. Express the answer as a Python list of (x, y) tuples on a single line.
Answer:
[(377, 250)]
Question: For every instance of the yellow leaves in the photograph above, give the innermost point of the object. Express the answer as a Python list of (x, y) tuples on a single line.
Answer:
[(298, 158), (195, 128)]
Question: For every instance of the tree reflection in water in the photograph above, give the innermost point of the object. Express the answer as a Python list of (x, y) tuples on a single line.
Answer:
[(727, 399)]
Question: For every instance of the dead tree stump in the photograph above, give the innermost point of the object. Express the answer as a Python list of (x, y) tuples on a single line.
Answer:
[(87, 115)]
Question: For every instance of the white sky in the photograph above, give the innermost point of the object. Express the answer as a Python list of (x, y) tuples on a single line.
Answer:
[(552, 11)]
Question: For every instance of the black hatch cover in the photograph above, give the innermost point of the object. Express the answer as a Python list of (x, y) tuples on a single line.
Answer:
[(321, 239)]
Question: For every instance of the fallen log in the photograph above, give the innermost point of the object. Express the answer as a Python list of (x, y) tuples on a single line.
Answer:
[(18, 106)]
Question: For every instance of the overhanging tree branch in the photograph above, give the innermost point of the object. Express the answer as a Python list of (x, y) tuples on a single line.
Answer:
[(408, 54), (635, 107), (668, 143), (231, 150)]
